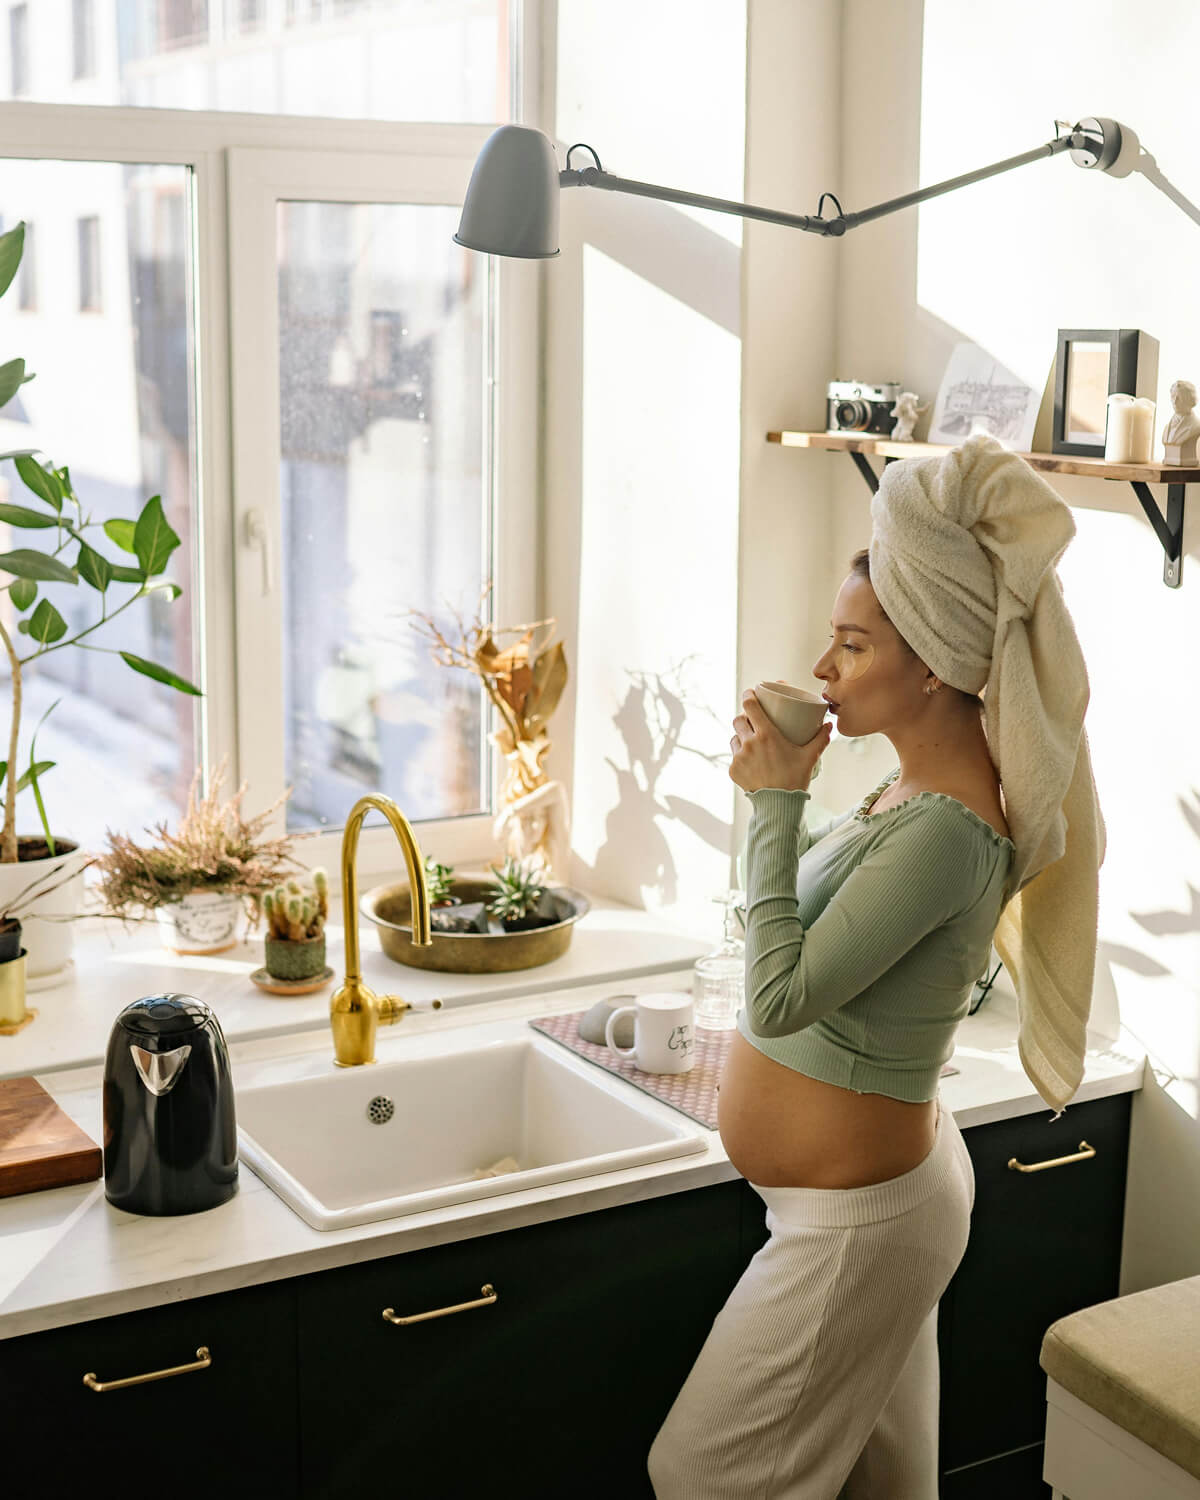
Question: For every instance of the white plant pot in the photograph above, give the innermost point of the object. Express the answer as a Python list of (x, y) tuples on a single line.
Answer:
[(200, 922), (47, 924)]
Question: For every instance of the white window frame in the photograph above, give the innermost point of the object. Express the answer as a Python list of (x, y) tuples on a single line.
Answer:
[(204, 141)]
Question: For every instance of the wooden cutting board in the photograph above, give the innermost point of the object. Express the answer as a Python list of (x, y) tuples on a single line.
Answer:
[(40, 1146)]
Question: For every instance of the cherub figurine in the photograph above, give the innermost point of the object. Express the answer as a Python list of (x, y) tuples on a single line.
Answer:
[(906, 411), (1180, 434)]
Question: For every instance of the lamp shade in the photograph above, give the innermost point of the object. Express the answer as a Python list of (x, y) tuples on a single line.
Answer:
[(511, 207)]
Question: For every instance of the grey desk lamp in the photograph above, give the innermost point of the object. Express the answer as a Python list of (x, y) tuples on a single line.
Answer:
[(511, 207)]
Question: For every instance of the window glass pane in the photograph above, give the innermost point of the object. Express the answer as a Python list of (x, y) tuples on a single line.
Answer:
[(385, 500), (437, 60), (112, 400)]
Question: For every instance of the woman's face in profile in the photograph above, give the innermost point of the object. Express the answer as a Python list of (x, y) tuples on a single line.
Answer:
[(867, 671)]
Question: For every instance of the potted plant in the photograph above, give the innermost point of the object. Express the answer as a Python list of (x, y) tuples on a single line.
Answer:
[(197, 879), (439, 882), (522, 899), (70, 553), (12, 974), (295, 911)]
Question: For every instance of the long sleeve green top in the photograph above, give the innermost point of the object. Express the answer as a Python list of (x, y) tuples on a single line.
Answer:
[(865, 935)]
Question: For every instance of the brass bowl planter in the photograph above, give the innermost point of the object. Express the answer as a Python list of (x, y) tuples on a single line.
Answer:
[(493, 952)]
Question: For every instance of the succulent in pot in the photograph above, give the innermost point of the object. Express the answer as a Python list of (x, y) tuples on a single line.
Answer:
[(295, 911), (439, 882), (522, 900)]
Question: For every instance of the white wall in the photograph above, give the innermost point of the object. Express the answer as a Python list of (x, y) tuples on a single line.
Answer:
[(936, 90)]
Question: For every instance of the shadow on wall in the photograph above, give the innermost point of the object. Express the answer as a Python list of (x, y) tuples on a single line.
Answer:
[(636, 854)]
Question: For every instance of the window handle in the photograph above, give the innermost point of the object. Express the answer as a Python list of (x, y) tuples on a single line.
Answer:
[(255, 532)]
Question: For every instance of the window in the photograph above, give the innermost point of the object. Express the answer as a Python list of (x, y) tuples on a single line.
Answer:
[(112, 399), (83, 39), (27, 275), (376, 386), (18, 50), (89, 265)]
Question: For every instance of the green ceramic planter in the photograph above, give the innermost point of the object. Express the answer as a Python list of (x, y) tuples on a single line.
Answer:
[(295, 960)]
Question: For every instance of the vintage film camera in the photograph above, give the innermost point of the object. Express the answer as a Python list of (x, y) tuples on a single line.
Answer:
[(854, 409)]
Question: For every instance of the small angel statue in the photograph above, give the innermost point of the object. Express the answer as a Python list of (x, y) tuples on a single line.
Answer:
[(906, 411)]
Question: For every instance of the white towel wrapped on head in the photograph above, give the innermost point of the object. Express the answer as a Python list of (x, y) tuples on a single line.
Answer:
[(962, 561)]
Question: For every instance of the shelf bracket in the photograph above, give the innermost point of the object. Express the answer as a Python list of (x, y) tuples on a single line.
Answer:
[(1169, 530), (865, 469)]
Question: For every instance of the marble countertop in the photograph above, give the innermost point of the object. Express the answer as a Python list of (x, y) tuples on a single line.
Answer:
[(67, 1256), (113, 965)]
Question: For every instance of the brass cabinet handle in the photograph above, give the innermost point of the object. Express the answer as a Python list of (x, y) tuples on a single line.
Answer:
[(1083, 1154), (489, 1296), (203, 1360)]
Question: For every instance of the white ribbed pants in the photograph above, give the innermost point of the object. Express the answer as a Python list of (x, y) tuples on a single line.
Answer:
[(819, 1377)]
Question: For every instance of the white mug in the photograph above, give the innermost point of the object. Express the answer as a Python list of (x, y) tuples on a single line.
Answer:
[(663, 1033)]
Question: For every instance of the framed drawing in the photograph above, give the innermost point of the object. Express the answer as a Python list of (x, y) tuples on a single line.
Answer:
[(977, 394), (1092, 363)]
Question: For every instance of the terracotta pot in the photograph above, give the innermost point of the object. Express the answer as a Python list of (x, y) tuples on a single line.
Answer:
[(295, 958)]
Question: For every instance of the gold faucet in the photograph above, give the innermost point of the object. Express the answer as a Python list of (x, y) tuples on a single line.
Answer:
[(355, 1010)]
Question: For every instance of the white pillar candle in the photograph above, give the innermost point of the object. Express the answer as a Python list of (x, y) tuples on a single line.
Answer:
[(1118, 434), (1143, 429)]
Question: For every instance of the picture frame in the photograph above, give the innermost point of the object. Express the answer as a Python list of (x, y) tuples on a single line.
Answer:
[(1089, 365)]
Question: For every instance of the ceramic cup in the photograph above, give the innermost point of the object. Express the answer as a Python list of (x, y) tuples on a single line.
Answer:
[(797, 715), (663, 1033)]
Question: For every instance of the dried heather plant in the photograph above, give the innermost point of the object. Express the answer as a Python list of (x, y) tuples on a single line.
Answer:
[(214, 848)]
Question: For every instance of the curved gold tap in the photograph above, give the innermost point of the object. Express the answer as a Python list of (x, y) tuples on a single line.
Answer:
[(355, 1011)]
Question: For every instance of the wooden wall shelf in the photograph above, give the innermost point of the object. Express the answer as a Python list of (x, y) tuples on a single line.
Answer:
[(1168, 528)]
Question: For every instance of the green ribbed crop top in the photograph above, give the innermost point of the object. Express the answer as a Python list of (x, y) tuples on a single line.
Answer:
[(865, 935)]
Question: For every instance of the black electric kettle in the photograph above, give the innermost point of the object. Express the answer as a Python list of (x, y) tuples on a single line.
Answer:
[(170, 1133)]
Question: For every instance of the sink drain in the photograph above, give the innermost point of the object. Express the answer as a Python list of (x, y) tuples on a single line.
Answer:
[(380, 1110)]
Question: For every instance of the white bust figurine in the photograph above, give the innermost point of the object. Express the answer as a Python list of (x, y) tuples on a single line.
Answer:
[(1180, 434), (906, 411)]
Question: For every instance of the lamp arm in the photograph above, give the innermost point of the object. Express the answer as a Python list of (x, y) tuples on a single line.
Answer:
[(1088, 139)]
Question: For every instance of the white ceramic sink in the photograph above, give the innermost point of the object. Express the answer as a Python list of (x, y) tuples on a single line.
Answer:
[(313, 1140)]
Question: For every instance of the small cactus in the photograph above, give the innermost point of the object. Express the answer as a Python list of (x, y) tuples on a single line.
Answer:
[(297, 909), (519, 890)]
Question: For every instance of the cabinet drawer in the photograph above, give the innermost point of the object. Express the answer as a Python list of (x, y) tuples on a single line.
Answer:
[(556, 1388), (1043, 1244), (231, 1425)]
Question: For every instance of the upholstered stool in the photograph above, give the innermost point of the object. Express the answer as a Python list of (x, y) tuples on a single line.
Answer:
[(1123, 1397)]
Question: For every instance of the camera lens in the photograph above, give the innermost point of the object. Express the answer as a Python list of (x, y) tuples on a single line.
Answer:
[(852, 416)]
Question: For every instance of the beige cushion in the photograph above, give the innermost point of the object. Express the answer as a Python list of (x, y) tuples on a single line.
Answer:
[(1136, 1360)]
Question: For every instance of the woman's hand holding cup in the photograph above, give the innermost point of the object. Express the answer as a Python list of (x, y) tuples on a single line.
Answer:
[(764, 757)]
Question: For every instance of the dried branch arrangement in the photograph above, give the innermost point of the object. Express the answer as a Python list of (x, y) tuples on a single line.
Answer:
[(524, 681), (214, 848)]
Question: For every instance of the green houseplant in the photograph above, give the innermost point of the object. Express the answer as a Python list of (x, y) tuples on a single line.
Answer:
[(295, 911), (522, 900), (69, 552)]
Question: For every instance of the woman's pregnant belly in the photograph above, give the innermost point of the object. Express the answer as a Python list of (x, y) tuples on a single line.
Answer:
[(781, 1128)]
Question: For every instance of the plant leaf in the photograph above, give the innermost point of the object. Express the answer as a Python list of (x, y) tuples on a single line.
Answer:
[(12, 377), (26, 563), (165, 586), (549, 679), (126, 575), (42, 481), (93, 567), (36, 769), (121, 532), (23, 592), (21, 515), (12, 245), (153, 539), (160, 674), (46, 624)]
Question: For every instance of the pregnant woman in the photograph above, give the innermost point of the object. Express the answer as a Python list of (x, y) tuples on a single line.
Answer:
[(864, 936)]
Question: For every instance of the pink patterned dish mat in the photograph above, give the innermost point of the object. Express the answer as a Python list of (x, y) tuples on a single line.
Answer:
[(693, 1093)]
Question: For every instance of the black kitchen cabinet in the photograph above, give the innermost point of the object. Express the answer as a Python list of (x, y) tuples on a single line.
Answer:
[(230, 1425), (557, 1387)]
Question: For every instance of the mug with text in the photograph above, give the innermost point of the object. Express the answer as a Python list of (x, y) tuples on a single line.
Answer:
[(663, 1033)]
